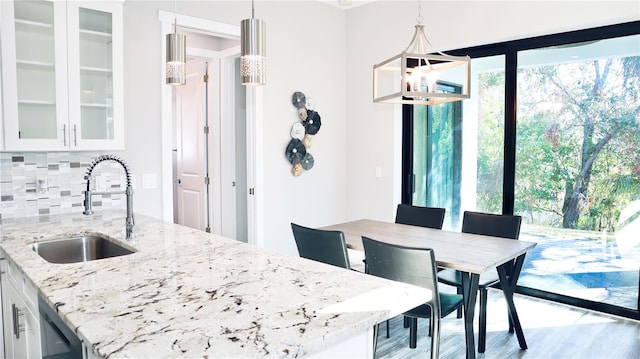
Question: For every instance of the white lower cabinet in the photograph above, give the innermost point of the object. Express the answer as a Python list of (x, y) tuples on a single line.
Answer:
[(20, 316), (87, 354), (22, 327)]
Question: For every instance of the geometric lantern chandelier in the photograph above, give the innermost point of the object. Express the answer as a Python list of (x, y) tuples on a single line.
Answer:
[(415, 76), (253, 60), (175, 68)]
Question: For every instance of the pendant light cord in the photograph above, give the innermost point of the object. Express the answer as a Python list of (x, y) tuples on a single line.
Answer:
[(175, 16), (252, 10), (419, 18)]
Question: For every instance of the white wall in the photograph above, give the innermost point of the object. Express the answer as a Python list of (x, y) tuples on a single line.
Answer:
[(328, 54), (306, 51), (380, 30)]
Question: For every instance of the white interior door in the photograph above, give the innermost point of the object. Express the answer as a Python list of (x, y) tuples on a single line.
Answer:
[(236, 132), (190, 149)]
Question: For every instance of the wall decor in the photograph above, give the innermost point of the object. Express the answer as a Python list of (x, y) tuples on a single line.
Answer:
[(302, 132)]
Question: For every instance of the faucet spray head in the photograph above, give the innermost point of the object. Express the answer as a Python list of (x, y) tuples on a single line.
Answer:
[(103, 158)]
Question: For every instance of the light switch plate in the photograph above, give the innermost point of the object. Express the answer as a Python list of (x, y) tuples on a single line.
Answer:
[(149, 181)]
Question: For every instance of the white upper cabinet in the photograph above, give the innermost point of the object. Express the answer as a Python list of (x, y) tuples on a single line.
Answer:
[(62, 75)]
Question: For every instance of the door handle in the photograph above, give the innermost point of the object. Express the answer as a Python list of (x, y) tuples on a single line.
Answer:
[(16, 314)]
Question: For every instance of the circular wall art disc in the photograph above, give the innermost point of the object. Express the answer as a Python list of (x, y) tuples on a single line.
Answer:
[(297, 131), (312, 123), (295, 151), (309, 104), (307, 162), (306, 141), (298, 99), (302, 113), (296, 170)]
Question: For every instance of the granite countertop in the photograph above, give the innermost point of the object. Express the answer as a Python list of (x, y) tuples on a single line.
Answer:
[(187, 293)]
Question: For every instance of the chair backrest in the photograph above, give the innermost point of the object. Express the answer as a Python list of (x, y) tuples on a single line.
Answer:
[(415, 266), (322, 246), (430, 217), (494, 225), (488, 224)]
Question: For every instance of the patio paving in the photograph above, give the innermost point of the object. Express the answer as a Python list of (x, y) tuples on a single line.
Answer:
[(592, 269)]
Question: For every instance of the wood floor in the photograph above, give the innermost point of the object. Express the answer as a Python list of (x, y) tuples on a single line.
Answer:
[(552, 331)]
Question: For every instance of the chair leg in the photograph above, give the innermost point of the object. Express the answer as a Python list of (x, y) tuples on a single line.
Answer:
[(434, 328), (459, 312), (482, 321), (406, 322), (375, 338), (413, 333), (387, 328)]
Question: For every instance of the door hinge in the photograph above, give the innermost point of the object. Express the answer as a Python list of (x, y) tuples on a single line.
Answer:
[(206, 130), (206, 78), (251, 191), (206, 181)]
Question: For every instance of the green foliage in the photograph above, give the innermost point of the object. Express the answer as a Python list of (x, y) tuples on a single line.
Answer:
[(490, 142), (578, 133)]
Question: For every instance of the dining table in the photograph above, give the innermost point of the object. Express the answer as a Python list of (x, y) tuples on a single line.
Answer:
[(471, 254)]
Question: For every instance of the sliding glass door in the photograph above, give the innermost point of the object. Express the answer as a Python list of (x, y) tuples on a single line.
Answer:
[(437, 154), (578, 168), (456, 164), (551, 133)]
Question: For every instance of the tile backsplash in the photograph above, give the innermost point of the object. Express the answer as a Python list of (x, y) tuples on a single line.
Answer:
[(42, 183)]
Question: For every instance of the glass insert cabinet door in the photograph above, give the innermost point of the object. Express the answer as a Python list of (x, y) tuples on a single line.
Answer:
[(34, 73), (95, 74), (62, 75)]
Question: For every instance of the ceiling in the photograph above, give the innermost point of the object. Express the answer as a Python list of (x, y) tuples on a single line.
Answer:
[(345, 4)]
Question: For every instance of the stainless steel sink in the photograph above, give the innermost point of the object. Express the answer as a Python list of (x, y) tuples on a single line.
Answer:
[(79, 249)]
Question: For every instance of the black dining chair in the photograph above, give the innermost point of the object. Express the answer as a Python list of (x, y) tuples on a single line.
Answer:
[(415, 266), (322, 246), (430, 217), (494, 225)]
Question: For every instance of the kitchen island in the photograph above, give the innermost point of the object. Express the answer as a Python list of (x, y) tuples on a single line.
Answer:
[(187, 293)]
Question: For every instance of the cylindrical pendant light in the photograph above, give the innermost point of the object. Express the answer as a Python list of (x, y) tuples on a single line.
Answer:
[(252, 51), (176, 71)]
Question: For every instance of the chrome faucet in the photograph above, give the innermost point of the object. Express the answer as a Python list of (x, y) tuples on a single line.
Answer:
[(130, 223)]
